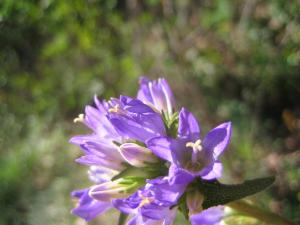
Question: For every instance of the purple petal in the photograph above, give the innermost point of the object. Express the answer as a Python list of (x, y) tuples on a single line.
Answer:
[(160, 146), (91, 160), (138, 219), (154, 212), (136, 106), (88, 208), (144, 92), (215, 172), (188, 125), (157, 93), (211, 216), (135, 220), (81, 139), (93, 117), (131, 129), (123, 206), (102, 148), (101, 105), (179, 176), (171, 217), (78, 193), (165, 193), (135, 120), (180, 153), (217, 139), (100, 174), (169, 97)]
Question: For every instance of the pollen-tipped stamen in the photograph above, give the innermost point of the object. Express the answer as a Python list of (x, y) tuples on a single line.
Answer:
[(145, 201), (80, 118), (197, 147), (117, 109)]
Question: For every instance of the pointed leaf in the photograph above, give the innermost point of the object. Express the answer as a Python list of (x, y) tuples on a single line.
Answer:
[(219, 194)]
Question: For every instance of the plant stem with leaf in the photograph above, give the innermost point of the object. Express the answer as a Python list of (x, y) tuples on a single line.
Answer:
[(262, 215)]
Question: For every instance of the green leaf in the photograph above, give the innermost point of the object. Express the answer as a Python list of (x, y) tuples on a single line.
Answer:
[(219, 194)]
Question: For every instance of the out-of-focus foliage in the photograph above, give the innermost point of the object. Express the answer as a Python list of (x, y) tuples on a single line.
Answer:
[(226, 60)]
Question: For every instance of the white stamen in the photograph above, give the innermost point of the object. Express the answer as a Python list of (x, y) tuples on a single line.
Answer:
[(80, 118), (195, 145), (114, 109)]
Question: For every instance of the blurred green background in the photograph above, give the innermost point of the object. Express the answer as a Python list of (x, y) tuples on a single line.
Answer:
[(235, 60)]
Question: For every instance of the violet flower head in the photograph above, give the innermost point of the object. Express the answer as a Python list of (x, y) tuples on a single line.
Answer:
[(150, 162), (190, 156), (157, 94)]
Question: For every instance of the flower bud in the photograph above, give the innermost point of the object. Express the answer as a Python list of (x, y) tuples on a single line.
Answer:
[(194, 200), (119, 188), (137, 155), (100, 174)]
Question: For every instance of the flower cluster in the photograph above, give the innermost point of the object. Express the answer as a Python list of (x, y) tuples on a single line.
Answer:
[(145, 158)]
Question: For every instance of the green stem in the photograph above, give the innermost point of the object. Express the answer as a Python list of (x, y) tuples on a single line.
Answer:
[(122, 218), (262, 215)]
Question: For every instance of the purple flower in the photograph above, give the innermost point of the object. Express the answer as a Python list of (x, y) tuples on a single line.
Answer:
[(101, 154), (135, 120), (87, 207), (157, 94), (153, 201), (99, 146), (211, 216), (119, 161), (190, 156)]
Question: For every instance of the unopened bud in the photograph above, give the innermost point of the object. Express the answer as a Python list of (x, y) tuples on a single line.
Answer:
[(194, 201), (137, 155), (119, 188)]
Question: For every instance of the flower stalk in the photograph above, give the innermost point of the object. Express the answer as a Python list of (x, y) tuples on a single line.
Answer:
[(260, 214)]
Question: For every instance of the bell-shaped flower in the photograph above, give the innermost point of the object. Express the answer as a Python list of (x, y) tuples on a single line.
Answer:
[(99, 146), (96, 119), (135, 120), (189, 155), (157, 94)]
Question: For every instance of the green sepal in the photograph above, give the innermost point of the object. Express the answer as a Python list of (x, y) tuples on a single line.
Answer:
[(216, 193), (171, 123), (183, 207), (122, 218)]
